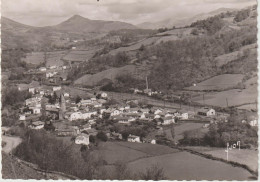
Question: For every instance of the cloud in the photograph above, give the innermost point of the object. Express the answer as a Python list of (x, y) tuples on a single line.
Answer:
[(50, 12)]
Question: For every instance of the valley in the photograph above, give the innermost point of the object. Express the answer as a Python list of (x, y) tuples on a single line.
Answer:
[(95, 99)]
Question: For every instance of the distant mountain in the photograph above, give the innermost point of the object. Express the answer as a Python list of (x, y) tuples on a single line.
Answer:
[(180, 22), (80, 24), (15, 34)]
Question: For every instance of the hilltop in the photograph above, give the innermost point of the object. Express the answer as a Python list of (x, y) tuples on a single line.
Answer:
[(17, 35)]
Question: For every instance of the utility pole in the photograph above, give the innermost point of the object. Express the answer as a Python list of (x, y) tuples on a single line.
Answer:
[(203, 100), (227, 102), (146, 83)]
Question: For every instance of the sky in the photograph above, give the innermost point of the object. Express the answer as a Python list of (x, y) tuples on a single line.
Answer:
[(51, 12)]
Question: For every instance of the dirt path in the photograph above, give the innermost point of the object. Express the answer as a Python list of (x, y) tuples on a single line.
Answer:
[(11, 143)]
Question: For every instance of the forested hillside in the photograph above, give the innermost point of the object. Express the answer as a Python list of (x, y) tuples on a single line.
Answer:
[(191, 57)]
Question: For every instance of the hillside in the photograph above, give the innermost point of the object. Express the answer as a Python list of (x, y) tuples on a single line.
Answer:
[(16, 35), (181, 22), (79, 24), (217, 45)]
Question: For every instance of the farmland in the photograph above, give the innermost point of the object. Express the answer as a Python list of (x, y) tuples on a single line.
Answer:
[(177, 165), (242, 156), (53, 58), (219, 82), (111, 74), (186, 166), (79, 55), (235, 97)]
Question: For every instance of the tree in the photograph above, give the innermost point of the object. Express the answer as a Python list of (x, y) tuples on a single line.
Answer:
[(102, 136), (78, 99), (92, 139), (153, 173)]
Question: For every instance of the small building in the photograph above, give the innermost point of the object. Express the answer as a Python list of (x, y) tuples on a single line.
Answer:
[(184, 116), (82, 139), (168, 120), (36, 110), (22, 117), (133, 138), (56, 88), (153, 141), (43, 69), (207, 112), (37, 125), (32, 90)]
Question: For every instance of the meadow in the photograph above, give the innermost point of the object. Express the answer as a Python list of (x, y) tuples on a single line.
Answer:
[(177, 165), (219, 82), (235, 97)]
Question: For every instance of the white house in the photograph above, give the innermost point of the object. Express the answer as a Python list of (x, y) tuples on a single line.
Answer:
[(53, 67), (157, 111), (36, 110), (32, 90), (56, 88), (122, 120), (22, 117), (184, 116), (37, 125), (66, 94), (42, 69), (115, 112), (153, 141), (133, 138), (168, 120), (82, 139), (207, 112), (75, 116)]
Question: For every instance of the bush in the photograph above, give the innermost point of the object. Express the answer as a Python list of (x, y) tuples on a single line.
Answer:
[(102, 136)]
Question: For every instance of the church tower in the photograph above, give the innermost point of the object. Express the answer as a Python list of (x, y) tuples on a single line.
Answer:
[(62, 107)]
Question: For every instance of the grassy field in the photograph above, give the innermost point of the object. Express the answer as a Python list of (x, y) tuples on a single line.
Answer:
[(135, 46), (180, 129), (235, 97), (113, 152), (243, 156), (53, 58), (219, 82), (90, 80), (177, 165), (186, 166), (79, 55)]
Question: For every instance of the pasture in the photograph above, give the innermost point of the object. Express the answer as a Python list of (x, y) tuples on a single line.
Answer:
[(177, 165), (79, 55), (235, 97), (180, 129), (187, 166), (219, 82), (52, 58), (90, 80), (135, 46), (242, 156)]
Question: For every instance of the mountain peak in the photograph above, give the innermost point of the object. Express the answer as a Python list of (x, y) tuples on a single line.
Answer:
[(77, 17)]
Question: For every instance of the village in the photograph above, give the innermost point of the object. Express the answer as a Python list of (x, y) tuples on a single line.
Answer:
[(56, 110)]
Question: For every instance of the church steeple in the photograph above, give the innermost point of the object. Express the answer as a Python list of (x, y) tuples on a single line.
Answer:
[(62, 107)]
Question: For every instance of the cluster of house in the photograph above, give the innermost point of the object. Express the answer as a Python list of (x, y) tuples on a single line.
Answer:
[(146, 91), (33, 106)]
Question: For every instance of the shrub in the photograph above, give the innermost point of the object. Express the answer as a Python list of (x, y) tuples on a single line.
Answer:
[(102, 136)]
